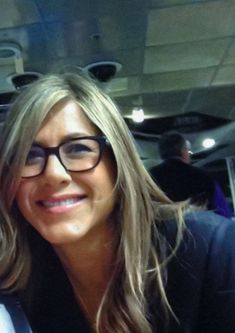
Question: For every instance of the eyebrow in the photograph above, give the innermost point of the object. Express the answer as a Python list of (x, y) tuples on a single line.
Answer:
[(66, 138)]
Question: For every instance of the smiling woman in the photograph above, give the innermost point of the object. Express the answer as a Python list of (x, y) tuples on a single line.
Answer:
[(88, 242), (67, 195)]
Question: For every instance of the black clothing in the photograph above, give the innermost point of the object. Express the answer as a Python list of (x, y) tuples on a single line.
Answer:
[(200, 286), (14, 316), (181, 181)]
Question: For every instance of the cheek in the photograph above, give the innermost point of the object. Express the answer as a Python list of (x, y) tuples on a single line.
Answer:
[(106, 188), (100, 185), (23, 198), (106, 179)]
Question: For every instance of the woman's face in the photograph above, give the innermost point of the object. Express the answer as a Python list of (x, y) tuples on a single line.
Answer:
[(67, 206)]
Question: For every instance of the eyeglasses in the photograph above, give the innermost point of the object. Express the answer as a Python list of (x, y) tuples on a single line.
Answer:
[(78, 154)]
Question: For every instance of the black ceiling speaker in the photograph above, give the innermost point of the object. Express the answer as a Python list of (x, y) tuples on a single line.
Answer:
[(103, 71), (23, 80)]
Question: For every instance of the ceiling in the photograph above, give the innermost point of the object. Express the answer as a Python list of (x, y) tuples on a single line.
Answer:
[(177, 59)]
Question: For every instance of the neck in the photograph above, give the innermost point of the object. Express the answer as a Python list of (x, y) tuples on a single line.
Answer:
[(92, 254), (180, 158), (89, 265)]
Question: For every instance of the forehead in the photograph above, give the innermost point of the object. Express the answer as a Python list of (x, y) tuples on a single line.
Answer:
[(66, 118)]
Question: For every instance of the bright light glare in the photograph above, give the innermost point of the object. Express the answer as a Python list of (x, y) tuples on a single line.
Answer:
[(208, 143), (138, 115)]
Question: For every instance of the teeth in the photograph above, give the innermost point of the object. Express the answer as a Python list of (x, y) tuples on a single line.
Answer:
[(66, 202)]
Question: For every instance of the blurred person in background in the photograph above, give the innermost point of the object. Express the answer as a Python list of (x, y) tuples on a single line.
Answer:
[(181, 181)]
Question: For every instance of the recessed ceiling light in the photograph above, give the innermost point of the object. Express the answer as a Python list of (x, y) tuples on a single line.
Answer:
[(208, 143), (138, 115)]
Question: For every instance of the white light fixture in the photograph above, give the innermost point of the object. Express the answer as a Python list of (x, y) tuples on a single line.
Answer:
[(11, 53), (138, 115), (208, 143)]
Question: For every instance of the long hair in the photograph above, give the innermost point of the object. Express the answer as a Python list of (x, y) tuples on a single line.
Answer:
[(139, 262)]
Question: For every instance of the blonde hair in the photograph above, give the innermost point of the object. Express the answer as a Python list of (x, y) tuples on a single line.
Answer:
[(139, 263)]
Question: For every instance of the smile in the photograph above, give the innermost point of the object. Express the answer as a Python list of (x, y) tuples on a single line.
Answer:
[(59, 205), (67, 202)]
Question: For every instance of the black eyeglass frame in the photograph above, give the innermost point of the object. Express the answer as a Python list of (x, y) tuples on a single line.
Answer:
[(101, 139)]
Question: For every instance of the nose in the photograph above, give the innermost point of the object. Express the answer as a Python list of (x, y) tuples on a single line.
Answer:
[(54, 172)]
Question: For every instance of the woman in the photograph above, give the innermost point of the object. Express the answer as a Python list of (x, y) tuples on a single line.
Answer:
[(83, 242)]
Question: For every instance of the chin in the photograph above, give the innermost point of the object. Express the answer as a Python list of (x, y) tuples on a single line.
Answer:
[(65, 235)]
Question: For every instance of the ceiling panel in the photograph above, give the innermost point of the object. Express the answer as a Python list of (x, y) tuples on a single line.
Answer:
[(124, 33), (182, 80), (66, 11), (131, 87), (17, 13), (177, 80), (184, 56), (215, 101), (166, 3), (68, 39), (168, 25), (224, 76), (230, 55)]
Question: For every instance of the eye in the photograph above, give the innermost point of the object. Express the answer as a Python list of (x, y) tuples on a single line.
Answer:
[(76, 148), (80, 148), (35, 155)]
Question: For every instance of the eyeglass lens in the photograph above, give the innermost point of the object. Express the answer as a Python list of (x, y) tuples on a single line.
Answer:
[(75, 155)]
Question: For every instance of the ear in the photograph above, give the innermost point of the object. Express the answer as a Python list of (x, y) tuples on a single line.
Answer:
[(185, 155)]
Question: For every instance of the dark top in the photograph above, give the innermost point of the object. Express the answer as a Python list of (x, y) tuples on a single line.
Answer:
[(182, 181), (200, 285), (15, 317)]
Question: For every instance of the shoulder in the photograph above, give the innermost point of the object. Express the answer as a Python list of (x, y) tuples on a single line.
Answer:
[(201, 276), (12, 317), (157, 167), (5, 318), (205, 219), (210, 227), (166, 166), (208, 236), (199, 170), (216, 236)]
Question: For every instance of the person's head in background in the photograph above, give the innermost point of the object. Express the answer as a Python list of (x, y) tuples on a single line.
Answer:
[(173, 145), (135, 194)]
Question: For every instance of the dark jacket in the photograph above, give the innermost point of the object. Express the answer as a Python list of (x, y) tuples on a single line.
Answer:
[(201, 277), (200, 285), (13, 315), (182, 181)]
